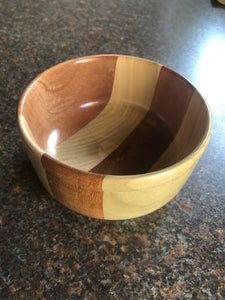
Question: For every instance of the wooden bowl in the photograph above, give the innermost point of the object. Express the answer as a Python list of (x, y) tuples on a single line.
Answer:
[(113, 137)]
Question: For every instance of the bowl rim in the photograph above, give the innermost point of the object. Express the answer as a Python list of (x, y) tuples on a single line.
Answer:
[(198, 150)]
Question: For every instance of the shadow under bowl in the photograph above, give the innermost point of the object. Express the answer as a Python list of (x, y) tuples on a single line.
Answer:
[(113, 137)]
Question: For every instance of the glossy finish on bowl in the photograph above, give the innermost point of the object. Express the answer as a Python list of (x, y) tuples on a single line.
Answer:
[(113, 137)]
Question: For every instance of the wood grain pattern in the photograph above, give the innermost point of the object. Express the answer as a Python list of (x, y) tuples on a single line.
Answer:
[(146, 143), (113, 137), (131, 97), (77, 190), (139, 195), (192, 129), (56, 100)]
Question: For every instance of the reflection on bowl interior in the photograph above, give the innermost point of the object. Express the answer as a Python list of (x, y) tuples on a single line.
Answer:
[(116, 115)]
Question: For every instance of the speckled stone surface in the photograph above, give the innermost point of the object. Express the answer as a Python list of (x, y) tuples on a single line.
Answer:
[(49, 252)]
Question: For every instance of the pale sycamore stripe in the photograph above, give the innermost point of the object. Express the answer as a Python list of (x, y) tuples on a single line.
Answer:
[(135, 203), (131, 97), (138, 195)]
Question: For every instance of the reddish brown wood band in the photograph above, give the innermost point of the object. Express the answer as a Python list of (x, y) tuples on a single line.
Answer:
[(79, 190), (64, 94), (172, 98)]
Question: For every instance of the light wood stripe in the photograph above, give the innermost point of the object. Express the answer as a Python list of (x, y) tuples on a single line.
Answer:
[(146, 143), (131, 97), (143, 196), (138, 195)]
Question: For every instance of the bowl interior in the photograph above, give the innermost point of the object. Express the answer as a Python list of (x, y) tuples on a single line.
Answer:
[(114, 115)]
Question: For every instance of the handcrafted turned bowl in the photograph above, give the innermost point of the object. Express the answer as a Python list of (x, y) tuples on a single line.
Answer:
[(113, 137)]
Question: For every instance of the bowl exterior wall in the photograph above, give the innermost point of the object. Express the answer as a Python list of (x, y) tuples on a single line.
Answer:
[(96, 196), (114, 197), (109, 197), (33, 151)]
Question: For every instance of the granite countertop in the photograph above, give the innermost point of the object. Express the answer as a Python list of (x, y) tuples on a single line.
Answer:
[(50, 252)]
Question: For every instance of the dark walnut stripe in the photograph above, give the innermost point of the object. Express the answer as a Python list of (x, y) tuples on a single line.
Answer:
[(62, 97), (144, 146), (75, 189)]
